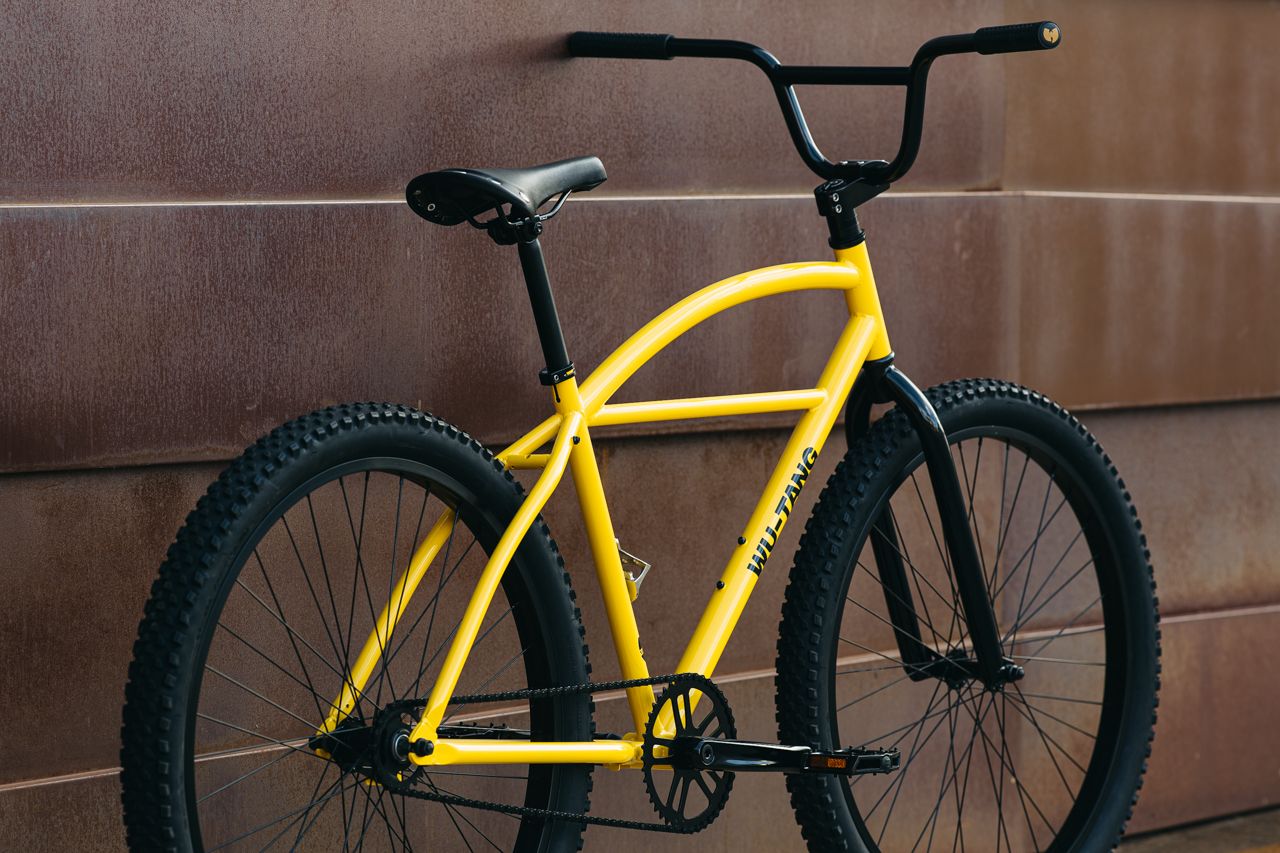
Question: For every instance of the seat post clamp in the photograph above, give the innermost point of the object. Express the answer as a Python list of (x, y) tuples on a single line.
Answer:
[(507, 233), (555, 377)]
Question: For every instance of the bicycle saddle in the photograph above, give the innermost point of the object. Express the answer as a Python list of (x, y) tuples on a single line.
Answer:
[(451, 196)]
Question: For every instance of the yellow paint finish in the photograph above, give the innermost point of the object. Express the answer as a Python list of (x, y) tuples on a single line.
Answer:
[(711, 300), (865, 299), (576, 408), (707, 407), (491, 576), (604, 552), (524, 461), (482, 751), (774, 507)]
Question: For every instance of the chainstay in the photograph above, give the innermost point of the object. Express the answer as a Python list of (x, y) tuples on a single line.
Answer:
[(572, 689), (685, 828)]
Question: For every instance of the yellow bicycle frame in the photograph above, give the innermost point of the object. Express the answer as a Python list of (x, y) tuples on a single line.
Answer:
[(568, 430)]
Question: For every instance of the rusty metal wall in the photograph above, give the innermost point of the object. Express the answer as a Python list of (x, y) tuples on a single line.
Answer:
[(200, 236)]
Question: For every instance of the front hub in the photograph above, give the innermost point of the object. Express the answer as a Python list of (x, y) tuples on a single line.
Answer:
[(957, 668)]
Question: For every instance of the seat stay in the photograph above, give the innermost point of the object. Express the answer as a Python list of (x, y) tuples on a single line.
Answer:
[(490, 577)]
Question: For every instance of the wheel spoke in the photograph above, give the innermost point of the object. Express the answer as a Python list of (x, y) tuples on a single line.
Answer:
[(329, 794), (1033, 562), (257, 695), (1046, 739), (1041, 712), (915, 579), (1013, 632), (286, 673), (307, 826), (971, 488), (255, 771), (306, 578), (391, 582), (1006, 522)]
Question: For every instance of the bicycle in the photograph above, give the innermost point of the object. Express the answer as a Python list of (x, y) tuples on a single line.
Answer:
[(325, 571)]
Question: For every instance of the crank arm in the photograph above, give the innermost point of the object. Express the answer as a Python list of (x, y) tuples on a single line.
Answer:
[(747, 756)]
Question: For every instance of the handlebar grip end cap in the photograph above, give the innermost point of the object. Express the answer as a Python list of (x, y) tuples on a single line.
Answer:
[(1049, 35)]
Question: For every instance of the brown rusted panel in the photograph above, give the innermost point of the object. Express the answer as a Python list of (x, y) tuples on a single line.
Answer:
[(679, 502), (1146, 301), (177, 333), (1206, 482), (1238, 773), (80, 553), (1151, 96), (150, 100), (81, 815), (161, 334), (1217, 715)]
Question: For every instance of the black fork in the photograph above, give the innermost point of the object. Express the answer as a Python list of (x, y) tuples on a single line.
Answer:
[(881, 382)]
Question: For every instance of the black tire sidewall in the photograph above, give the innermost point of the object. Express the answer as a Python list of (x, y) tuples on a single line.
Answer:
[(872, 472), (227, 523)]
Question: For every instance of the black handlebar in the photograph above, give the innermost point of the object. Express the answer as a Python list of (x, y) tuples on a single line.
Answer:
[(620, 45), (1043, 35)]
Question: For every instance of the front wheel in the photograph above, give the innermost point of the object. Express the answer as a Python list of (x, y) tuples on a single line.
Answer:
[(877, 656)]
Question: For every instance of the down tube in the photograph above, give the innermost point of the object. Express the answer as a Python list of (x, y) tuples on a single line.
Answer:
[(774, 508)]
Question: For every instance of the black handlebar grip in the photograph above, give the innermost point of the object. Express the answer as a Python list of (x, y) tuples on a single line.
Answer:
[(620, 45), (1013, 38)]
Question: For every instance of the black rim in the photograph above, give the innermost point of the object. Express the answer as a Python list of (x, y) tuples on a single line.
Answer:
[(309, 621), (1013, 756)]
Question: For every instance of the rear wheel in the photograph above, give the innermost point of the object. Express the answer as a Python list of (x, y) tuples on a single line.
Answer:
[(1052, 761), (266, 598)]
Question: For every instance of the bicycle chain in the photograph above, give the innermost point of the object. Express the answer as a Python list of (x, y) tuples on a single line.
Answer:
[(682, 827)]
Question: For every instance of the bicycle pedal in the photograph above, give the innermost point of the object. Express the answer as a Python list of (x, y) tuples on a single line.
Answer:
[(747, 756), (855, 761)]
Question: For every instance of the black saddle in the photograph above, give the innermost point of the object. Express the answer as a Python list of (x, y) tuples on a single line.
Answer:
[(451, 196)]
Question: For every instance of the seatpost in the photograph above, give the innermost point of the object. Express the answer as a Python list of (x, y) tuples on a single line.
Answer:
[(559, 367)]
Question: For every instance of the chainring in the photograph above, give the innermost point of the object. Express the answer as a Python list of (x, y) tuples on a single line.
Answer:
[(698, 709), (404, 786)]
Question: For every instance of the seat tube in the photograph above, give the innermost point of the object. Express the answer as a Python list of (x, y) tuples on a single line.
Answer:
[(608, 562)]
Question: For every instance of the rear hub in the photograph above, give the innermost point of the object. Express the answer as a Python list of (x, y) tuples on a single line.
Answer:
[(378, 750)]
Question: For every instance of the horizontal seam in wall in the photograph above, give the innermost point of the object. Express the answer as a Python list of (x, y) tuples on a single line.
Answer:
[(604, 199), (737, 677)]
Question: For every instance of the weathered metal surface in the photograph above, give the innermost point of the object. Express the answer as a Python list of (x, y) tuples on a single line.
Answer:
[(158, 334), (1217, 748), (1169, 96), (81, 550), (1189, 778), (133, 335), (148, 100)]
